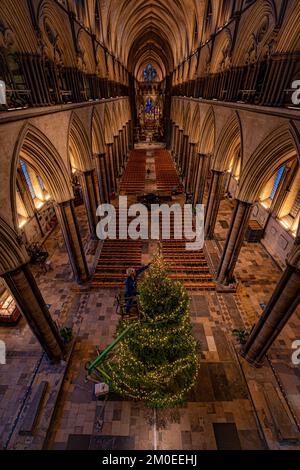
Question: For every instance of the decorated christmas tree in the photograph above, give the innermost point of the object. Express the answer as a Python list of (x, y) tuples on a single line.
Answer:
[(156, 361)]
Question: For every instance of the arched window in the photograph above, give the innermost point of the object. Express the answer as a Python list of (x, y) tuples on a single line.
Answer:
[(27, 178), (149, 73), (277, 182), (148, 105), (41, 183)]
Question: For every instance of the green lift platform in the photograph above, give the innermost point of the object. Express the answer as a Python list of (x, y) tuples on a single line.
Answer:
[(96, 368)]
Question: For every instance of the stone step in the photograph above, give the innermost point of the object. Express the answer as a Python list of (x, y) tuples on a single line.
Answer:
[(33, 411), (284, 425)]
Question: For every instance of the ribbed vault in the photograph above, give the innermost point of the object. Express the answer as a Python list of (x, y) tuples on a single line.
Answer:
[(156, 31)]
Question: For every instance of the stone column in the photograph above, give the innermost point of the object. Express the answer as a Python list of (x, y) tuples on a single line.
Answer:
[(125, 149), (96, 186), (194, 171), (130, 134), (234, 241), (215, 195), (180, 148), (201, 172), (173, 138), (67, 218), (185, 150), (176, 138), (90, 200), (32, 305), (111, 165), (116, 156), (281, 306), (172, 127), (126, 138), (189, 166), (101, 170), (122, 151), (176, 151)]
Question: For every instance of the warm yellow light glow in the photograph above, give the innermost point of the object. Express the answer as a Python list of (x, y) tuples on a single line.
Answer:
[(22, 223), (285, 224), (265, 204), (47, 197), (39, 204)]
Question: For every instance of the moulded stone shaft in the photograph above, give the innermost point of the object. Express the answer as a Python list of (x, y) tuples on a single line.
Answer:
[(90, 200), (215, 195), (32, 305), (281, 306), (68, 222), (234, 241)]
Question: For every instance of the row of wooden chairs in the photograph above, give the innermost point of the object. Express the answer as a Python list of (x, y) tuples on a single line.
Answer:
[(116, 257), (133, 180), (166, 174), (187, 266)]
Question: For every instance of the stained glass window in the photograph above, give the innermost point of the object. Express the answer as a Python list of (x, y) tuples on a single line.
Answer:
[(149, 105), (149, 73)]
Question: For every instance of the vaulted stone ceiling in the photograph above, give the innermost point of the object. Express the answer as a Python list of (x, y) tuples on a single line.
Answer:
[(158, 31)]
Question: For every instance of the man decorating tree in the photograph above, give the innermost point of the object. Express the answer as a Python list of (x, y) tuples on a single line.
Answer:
[(130, 285)]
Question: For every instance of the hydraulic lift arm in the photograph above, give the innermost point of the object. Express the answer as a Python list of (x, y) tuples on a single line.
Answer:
[(98, 362)]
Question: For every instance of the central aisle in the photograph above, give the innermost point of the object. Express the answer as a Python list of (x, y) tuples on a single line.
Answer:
[(151, 171)]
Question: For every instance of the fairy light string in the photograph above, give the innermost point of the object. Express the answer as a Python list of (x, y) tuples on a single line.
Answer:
[(157, 362)]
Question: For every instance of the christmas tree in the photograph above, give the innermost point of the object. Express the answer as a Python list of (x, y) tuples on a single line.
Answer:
[(156, 362)]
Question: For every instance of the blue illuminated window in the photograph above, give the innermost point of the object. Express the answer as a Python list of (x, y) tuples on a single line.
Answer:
[(27, 178), (41, 182), (277, 182), (149, 73)]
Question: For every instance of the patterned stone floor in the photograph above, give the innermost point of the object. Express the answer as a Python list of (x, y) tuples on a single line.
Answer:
[(258, 275), (219, 398), (228, 409), (23, 352)]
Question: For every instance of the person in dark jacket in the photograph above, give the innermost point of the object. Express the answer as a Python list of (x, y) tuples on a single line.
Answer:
[(130, 285)]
